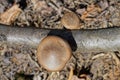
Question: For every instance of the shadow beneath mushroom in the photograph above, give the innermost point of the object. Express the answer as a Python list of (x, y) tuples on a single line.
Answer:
[(22, 76), (66, 35)]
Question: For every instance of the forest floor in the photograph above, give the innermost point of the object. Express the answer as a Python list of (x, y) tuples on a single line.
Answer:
[(21, 64)]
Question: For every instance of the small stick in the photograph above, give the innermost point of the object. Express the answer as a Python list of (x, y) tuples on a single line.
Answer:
[(100, 40), (71, 74), (22, 36)]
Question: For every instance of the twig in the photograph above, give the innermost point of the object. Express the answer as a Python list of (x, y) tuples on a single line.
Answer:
[(100, 40)]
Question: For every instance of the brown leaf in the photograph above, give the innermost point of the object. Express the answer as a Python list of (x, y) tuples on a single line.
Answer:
[(10, 15), (91, 10), (41, 6)]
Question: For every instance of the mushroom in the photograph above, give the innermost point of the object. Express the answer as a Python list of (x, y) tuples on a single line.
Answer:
[(70, 21), (53, 53)]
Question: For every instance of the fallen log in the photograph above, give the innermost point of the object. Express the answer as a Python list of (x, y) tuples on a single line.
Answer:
[(96, 40)]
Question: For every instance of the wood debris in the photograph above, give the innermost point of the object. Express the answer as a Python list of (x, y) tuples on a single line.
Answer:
[(82, 77), (90, 12), (41, 6), (10, 15), (76, 78), (70, 74)]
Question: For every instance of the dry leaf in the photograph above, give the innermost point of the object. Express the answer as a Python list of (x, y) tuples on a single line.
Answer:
[(41, 6), (114, 74), (91, 9), (38, 4), (10, 15)]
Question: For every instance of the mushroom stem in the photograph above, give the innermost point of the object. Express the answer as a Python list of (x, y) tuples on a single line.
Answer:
[(100, 40)]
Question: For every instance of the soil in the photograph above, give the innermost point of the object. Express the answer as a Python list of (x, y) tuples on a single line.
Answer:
[(20, 63)]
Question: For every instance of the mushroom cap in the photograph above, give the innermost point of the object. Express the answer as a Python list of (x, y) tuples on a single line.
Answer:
[(53, 53), (70, 21)]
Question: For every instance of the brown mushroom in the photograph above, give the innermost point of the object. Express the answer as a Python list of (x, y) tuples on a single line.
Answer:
[(70, 21), (53, 53)]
